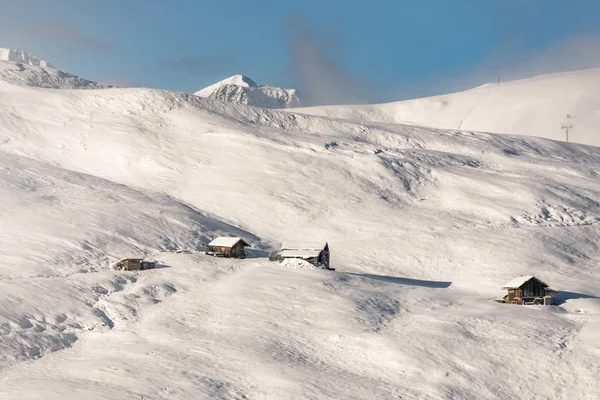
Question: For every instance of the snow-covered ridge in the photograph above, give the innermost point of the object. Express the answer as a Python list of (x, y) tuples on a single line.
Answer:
[(243, 90), (21, 68), (537, 106), (239, 80), (20, 56)]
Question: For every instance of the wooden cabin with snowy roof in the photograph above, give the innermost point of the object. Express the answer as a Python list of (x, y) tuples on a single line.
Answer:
[(231, 247), (528, 290), (315, 253)]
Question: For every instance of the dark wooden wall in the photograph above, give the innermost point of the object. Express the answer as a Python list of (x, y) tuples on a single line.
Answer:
[(324, 258), (238, 250), (514, 294), (235, 251), (533, 288), (219, 249)]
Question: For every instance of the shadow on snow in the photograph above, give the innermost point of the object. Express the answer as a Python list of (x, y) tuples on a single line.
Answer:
[(405, 281), (257, 253), (561, 297)]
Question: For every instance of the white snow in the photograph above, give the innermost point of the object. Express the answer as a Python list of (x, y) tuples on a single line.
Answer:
[(517, 282), (22, 57), (297, 263), (243, 90), (535, 107), (424, 226), (21, 68), (303, 246), (300, 253), (239, 80), (225, 241)]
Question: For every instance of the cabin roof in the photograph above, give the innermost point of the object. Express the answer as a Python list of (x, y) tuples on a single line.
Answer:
[(520, 281), (314, 246), (300, 253), (223, 241)]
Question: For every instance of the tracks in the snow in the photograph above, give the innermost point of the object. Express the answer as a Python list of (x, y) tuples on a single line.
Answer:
[(74, 306)]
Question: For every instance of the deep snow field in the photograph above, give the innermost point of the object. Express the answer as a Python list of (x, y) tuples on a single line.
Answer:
[(425, 225)]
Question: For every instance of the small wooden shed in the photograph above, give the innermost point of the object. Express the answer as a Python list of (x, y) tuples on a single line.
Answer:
[(528, 290), (231, 247), (133, 264), (315, 253)]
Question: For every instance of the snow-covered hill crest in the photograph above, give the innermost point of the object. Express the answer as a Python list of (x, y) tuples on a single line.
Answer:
[(243, 90), (21, 68), (22, 57), (538, 106)]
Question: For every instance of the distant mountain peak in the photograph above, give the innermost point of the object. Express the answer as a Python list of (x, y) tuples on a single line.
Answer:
[(21, 68), (239, 80), (22, 57), (243, 90)]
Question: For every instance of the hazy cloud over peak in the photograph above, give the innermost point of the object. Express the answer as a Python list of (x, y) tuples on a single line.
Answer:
[(67, 34), (322, 79)]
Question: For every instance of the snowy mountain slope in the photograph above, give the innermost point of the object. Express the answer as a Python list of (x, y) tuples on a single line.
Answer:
[(320, 336), (22, 57), (59, 228), (53, 200), (476, 180), (150, 129), (19, 67), (425, 225), (536, 107), (243, 90)]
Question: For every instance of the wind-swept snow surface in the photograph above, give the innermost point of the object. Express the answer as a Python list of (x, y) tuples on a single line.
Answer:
[(424, 226), (538, 106)]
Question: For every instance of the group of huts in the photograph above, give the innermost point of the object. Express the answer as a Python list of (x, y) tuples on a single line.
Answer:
[(524, 290), (316, 254)]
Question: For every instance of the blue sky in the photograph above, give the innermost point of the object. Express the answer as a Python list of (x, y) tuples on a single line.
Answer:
[(349, 51)]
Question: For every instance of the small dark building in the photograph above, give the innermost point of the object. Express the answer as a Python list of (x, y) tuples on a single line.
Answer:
[(133, 264), (315, 253), (232, 247), (528, 290)]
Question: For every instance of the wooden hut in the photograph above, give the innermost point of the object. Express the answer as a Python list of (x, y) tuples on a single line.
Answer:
[(315, 253), (528, 290), (231, 247), (134, 264)]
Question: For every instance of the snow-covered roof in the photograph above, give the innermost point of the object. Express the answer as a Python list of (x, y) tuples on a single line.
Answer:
[(318, 246), (518, 282), (300, 253), (223, 241)]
